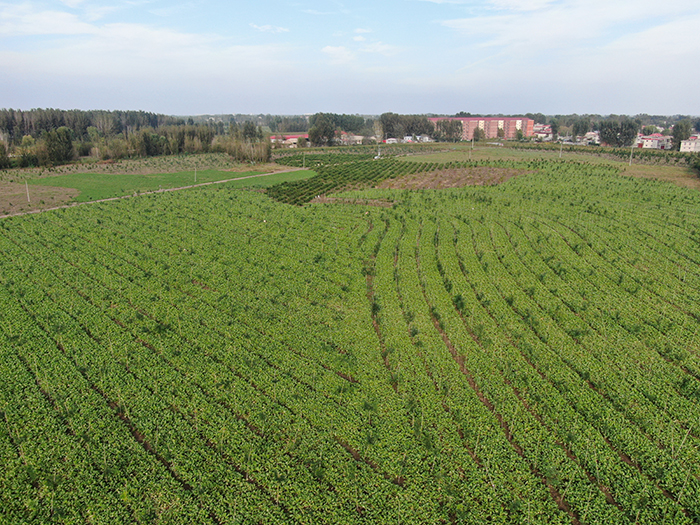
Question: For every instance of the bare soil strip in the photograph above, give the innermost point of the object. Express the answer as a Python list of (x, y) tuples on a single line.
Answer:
[(363, 202), (13, 198), (453, 178)]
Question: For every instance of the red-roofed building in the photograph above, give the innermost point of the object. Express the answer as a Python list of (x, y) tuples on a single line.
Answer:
[(491, 125), (654, 141), (291, 141)]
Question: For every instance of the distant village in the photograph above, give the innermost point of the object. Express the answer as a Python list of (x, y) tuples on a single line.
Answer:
[(502, 128), (543, 132)]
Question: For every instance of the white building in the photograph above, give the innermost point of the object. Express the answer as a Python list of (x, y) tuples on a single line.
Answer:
[(592, 137), (542, 132), (655, 141), (690, 146)]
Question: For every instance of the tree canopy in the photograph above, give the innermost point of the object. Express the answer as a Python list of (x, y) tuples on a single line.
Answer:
[(347, 123), (399, 126), (322, 130), (681, 131), (448, 130), (59, 145), (619, 133), (581, 126)]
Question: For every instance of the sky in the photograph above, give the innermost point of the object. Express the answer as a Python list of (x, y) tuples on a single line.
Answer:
[(358, 57)]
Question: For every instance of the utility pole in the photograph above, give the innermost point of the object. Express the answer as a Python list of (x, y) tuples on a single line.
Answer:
[(195, 174), (631, 152), (26, 185)]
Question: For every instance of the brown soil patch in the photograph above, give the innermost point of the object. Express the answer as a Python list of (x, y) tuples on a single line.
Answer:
[(362, 202), (453, 178), (269, 167), (683, 177), (13, 197)]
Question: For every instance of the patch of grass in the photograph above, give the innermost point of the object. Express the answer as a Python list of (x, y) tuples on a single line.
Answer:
[(95, 186), (684, 177), (269, 180)]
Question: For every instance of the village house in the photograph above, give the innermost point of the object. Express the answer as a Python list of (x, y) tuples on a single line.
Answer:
[(691, 145), (654, 141)]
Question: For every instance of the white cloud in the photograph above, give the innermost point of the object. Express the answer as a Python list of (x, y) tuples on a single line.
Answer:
[(381, 48), (446, 1), (270, 29), (72, 3), (24, 19), (521, 5), (359, 38), (565, 24), (339, 55), (359, 30)]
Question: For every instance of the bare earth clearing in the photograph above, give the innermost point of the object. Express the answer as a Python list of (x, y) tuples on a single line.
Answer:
[(362, 202), (453, 178), (13, 197), (683, 177), (450, 178)]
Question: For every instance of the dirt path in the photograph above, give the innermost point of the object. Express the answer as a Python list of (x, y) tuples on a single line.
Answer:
[(72, 204)]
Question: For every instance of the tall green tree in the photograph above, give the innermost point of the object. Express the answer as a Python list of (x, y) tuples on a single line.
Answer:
[(554, 123), (479, 134), (619, 133), (681, 131), (448, 130), (581, 126), (250, 131), (392, 127), (322, 132), (4, 159), (59, 145)]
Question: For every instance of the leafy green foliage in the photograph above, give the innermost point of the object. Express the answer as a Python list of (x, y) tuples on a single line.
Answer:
[(322, 131), (59, 145), (619, 133), (681, 131), (4, 159), (510, 354)]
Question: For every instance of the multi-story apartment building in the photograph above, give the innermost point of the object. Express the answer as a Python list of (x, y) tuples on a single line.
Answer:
[(491, 125)]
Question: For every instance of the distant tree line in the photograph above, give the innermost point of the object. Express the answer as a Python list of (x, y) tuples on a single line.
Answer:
[(42, 137), (17, 124), (399, 126), (325, 129), (279, 124)]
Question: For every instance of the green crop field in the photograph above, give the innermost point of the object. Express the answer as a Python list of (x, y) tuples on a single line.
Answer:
[(526, 352), (95, 186)]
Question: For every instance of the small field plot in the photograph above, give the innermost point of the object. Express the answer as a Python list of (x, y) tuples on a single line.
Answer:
[(96, 186), (267, 180), (13, 197), (453, 177)]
